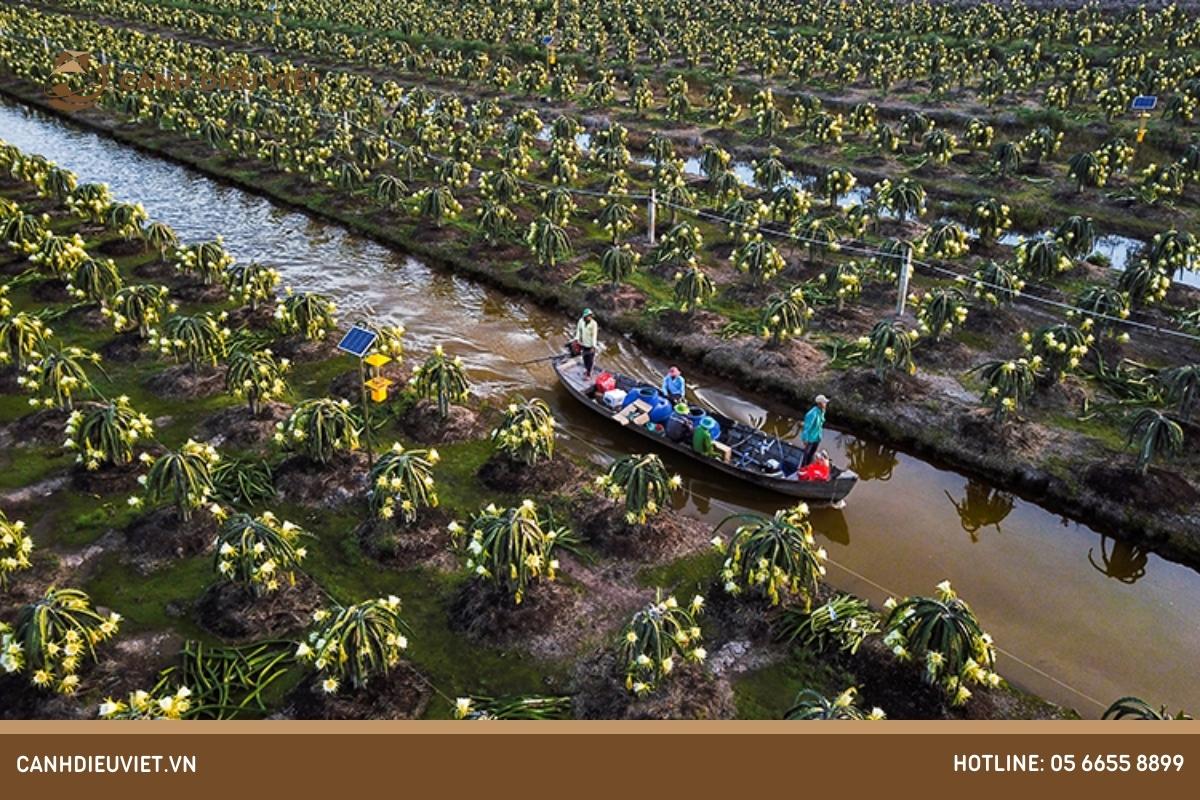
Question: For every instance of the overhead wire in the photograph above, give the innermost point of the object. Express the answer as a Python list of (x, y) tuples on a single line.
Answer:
[(849, 246), (731, 509)]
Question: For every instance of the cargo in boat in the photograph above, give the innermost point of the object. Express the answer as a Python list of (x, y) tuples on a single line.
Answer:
[(744, 451)]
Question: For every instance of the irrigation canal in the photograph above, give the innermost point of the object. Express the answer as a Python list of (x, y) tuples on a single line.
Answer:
[(1080, 619)]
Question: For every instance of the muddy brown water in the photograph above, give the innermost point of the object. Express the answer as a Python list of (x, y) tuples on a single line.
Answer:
[(1080, 619)]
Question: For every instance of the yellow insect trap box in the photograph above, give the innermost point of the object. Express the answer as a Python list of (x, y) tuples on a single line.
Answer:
[(379, 388)]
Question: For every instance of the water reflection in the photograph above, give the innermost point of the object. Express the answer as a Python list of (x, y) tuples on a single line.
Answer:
[(832, 524), (699, 498), (1107, 638), (1120, 560), (872, 461), (982, 506)]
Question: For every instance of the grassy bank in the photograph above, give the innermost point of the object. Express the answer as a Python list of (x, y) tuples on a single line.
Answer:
[(927, 426), (158, 567)]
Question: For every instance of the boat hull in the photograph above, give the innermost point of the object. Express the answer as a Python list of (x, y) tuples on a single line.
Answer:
[(831, 492)]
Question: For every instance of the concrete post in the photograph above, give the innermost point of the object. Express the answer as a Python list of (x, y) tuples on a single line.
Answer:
[(905, 275), (366, 401), (650, 209)]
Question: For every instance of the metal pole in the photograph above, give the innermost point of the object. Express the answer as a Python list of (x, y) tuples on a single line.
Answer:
[(362, 382), (650, 214), (905, 274)]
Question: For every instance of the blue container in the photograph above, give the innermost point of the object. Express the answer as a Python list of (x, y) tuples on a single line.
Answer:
[(647, 393), (712, 426), (695, 414), (660, 410)]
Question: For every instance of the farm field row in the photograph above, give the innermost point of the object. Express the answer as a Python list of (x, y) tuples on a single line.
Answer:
[(959, 148), (730, 281), (946, 216), (178, 538)]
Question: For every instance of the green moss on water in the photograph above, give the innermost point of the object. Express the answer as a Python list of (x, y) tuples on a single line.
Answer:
[(768, 693)]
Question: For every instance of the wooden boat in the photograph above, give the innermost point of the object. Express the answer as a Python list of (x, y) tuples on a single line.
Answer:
[(752, 451)]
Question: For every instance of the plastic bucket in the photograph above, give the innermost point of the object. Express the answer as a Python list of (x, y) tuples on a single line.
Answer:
[(713, 427), (660, 410), (646, 393)]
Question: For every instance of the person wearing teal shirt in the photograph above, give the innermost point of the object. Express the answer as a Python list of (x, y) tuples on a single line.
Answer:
[(814, 427), (673, 385)]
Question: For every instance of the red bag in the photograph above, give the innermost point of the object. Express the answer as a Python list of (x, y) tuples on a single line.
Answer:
[(605, 382), (816, 471)]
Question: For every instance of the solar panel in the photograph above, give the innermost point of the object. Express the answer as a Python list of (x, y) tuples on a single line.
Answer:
[(1144, 102), (357, 341)]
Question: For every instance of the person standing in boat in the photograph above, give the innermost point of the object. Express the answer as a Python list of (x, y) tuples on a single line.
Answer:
[(673, 385), (814, 427), (586, 332)]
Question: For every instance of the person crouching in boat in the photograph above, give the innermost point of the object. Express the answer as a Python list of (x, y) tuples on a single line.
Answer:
[(814, 427), (679, 426), (702, 441), (586, 332), (818, 470), (673, 386)]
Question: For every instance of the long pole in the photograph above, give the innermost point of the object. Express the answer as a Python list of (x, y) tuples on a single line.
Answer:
[(540, 360), (362, 382)]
